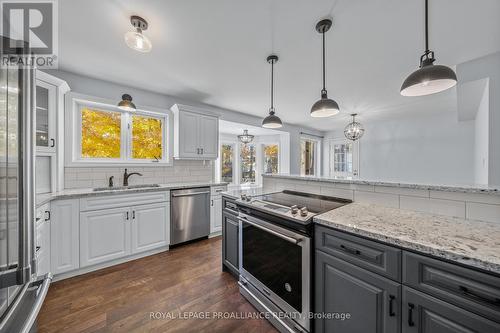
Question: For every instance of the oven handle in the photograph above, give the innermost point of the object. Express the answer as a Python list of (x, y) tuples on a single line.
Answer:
[(285, 237)]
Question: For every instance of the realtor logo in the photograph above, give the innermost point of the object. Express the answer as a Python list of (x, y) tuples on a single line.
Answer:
[(30, 28)]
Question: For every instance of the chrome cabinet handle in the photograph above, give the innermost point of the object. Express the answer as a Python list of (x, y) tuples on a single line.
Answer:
[(189, 194)]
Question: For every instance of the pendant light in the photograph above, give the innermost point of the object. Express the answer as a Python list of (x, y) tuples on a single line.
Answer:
[(325, 107), (354, 130), (272, 121), (136, 40), (429, 78), (126, 103), (245, 137)]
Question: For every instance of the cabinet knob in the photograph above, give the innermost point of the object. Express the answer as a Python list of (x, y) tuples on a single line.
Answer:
[(52, 143)]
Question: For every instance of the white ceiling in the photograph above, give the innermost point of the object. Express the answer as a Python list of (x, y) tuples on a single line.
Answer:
[(214, 51)]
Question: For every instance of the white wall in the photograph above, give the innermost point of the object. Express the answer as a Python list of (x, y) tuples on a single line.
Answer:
[(481, 140), (427, 148), (104, 89)]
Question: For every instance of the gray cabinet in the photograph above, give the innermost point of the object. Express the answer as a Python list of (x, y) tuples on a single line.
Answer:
[(423, 313), (372, 301), (230, 237)]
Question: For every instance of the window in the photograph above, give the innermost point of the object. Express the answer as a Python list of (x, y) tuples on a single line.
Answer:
[(343, 158), (226, 152), (271, 153), (101, 134), (247, 163), (105, 134), (308, 157), (147, 137)]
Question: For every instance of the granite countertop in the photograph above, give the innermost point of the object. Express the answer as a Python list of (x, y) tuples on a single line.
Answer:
[(42, 199), (485, 189), (252, 192), (473, 243)]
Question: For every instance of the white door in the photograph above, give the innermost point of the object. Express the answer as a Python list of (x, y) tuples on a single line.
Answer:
[(150, 227), (189, 135), (209, 136), (64, 235), (104, 235), (344, 158), (216, 214)]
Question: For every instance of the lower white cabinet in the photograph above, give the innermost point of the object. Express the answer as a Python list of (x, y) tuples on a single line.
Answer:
[(216, 214), (115, 233), (64, 237), (104, 235), (150, 227)]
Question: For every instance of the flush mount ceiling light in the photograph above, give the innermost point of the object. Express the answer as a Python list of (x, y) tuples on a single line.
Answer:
[(429, 78), (354, 130), (272, 121), (325, 107), (126, 103), (136, 39), (245, 137)]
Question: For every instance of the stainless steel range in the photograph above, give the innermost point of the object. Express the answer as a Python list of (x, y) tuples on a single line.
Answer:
[(275, 254)]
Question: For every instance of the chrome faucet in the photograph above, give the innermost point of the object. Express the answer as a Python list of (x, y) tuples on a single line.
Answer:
[(127, 175)]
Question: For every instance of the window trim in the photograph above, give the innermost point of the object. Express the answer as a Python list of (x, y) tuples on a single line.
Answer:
[(355, 158), (76, 102)]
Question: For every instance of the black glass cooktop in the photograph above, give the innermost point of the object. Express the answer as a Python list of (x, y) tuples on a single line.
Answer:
[(315, 203)]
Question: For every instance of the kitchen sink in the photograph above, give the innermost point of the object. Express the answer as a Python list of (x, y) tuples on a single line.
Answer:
[(120, 188)]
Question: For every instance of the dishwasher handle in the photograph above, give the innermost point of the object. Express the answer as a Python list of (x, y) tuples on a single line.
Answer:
[(175, 195)]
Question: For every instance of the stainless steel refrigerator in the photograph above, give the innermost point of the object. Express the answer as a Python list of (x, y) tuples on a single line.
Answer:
[(21, 295)]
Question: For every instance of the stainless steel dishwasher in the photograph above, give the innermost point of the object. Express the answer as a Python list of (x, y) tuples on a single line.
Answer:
[(190, 214)]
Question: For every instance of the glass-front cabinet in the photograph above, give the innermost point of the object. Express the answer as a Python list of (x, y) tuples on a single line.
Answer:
[(45, 116)]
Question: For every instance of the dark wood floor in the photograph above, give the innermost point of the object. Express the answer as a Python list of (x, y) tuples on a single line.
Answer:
[(121, 298)]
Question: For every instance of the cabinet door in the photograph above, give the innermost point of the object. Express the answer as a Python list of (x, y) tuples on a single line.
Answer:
[(45, 116), (216, 214), (209, 136), (64, 249), (230, 231), (372, 301), (43, 248), (425, 314), (149, 227), (188, 135), (104, 235)]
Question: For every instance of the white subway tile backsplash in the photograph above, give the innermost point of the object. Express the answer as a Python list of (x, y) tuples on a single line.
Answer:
[(383, 199), (357, 187), (402, 191), (472, 197), (483, 212), (337, 192), (433, 206)]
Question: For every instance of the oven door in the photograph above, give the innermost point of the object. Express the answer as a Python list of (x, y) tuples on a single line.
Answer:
[(276, 261)]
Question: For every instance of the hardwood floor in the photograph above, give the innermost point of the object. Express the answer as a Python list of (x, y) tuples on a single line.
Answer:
[(186, 280)]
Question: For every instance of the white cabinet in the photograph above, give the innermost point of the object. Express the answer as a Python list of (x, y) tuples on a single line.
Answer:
[(150, 227), (45, 112), (42, 240), (64, 236), (104, 235), (196, 133), (216, 215)]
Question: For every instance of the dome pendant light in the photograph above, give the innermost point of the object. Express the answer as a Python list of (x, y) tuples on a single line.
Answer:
[(126, 103), (429, 78), (272, 121), (136, 39), (354, 130), (325, 107)]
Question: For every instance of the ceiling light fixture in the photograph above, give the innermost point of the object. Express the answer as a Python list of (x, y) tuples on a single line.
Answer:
[(136, 39), (245, 137), (429, 78), (126, 103), (354, 130), (325, 107), (272, 121)]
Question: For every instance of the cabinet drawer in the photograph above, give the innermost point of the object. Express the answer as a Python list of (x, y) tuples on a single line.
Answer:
[(217, 190), (379, 258), (121, 200), (475, 291), (41, 213)]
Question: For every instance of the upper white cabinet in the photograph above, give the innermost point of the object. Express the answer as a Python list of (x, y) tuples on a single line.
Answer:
[(196, 133), (45, 116)]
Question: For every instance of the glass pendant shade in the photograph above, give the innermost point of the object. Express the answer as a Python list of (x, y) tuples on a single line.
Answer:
[(137, 41), (126, 103), (354, 130), (272, 121), (429, 79), (325, 107), (245, 137)]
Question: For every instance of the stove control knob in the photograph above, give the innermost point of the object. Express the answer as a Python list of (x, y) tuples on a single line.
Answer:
[(303, 211), (294, 209), (249, 198), (244, 197)]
